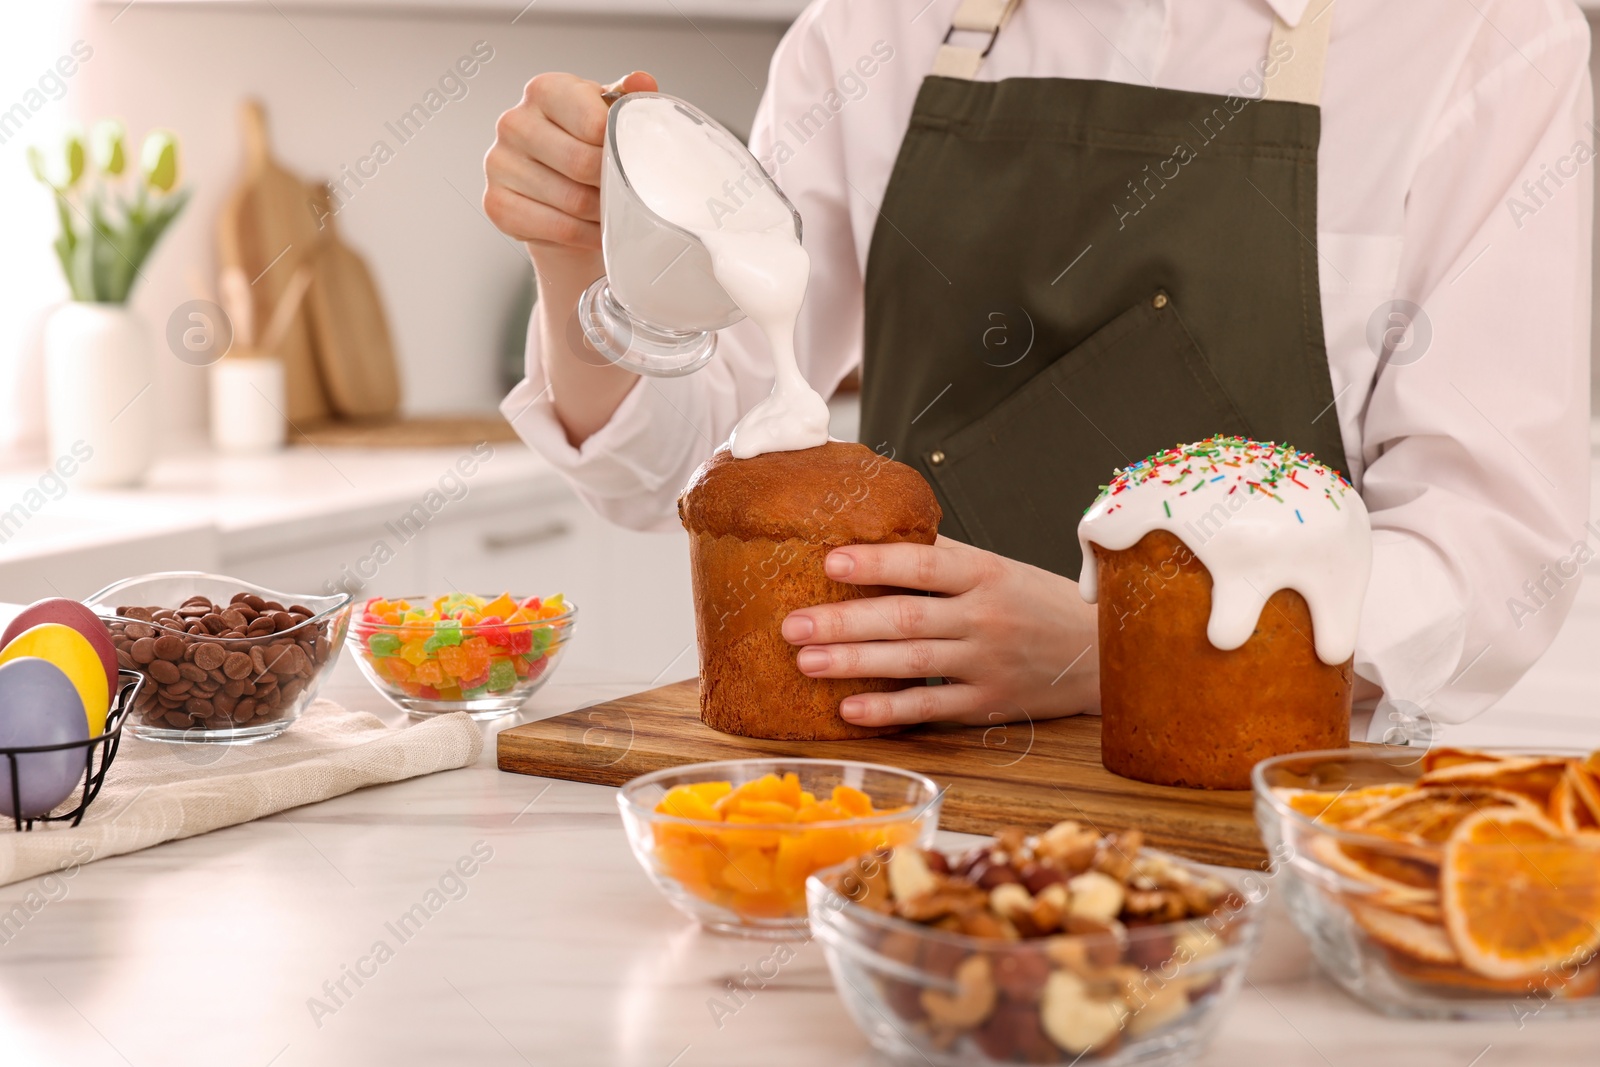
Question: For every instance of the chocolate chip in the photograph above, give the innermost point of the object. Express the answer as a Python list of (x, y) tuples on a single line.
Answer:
[(209, 656), (164, 671), (236, 665), (137, 630), (191, 672), (170, 647)]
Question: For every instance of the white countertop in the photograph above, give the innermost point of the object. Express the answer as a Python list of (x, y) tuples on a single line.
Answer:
[(207, 951)]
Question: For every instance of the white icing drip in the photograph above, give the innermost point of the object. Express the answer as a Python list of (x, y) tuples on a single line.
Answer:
[(1253, 540), (686, 174)]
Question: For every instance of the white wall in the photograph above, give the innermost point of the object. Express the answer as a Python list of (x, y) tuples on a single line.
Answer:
[(330, 82)]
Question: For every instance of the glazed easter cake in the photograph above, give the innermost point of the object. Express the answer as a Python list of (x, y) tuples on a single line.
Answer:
[(1229, 576)]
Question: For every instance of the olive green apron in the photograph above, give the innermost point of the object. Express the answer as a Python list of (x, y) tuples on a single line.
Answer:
[(1070, 275)]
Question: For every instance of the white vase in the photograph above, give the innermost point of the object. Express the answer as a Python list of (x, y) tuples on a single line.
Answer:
[(99, 382)]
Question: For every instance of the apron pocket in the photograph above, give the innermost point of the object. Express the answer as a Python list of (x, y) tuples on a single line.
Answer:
[(1019, 478)]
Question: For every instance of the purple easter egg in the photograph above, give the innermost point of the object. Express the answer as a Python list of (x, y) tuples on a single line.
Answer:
[(39, 706)]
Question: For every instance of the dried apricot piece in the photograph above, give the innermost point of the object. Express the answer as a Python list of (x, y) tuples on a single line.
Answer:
[(1518, 895)]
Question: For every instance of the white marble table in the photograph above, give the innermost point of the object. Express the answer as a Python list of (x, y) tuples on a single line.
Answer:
[(227, 949)]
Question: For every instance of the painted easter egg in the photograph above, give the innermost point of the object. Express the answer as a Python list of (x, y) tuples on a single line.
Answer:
[(69, 613), (39, 705), (72, 652)]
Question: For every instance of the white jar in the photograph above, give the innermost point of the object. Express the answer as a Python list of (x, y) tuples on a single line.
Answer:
[(247, 403)]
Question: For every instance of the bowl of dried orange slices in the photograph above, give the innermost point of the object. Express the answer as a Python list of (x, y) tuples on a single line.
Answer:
[(1453, 883)]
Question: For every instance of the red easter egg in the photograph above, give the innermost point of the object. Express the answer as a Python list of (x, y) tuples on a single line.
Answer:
[(71, 614)]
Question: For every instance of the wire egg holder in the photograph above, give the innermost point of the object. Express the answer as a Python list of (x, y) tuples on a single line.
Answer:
[(129, 684)]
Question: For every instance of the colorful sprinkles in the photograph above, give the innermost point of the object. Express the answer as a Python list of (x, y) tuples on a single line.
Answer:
[(1262, 467)]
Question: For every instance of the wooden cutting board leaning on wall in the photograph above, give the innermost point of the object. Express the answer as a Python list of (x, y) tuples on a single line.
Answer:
[(349, 327), (265, 228)]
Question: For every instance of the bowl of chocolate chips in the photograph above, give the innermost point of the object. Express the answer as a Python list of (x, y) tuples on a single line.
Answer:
[(1062, 947), (224, 660)]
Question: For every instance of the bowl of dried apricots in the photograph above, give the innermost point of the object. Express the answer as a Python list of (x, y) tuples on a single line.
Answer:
[(731, 843), (1452, 883)]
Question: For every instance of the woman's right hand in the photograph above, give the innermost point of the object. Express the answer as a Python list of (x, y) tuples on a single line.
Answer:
[(543, 189), (543, 170)]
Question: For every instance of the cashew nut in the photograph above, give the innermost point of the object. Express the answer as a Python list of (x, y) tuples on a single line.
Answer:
[(1074, 1020), (971, 1004)]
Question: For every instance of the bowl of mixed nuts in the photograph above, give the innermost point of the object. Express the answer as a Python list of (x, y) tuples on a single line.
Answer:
[(1053, 948)]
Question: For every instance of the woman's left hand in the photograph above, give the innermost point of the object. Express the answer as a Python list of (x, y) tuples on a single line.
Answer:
[(1010, 640)]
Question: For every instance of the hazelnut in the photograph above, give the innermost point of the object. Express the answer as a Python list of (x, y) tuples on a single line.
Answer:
[(936, 861), (1013, 1034), (1036, 876), (909, 875), (1076, 1020), (972, 1002), (988, 873), (1152, 949), (1098, 944), (1021, 974), (1095, 895)]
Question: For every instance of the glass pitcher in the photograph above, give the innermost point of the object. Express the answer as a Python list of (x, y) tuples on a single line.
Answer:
[(657, 309)]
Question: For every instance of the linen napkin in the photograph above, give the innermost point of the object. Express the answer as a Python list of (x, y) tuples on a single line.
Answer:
[(157, 792)]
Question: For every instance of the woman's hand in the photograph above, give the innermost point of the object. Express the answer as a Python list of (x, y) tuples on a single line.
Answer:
[(543, 171), (1010, 640), (543, 189)]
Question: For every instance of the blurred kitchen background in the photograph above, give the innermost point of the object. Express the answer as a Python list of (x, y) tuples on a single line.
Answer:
[(332, 74)]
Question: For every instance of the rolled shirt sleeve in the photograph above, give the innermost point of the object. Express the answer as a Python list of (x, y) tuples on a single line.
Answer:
[(1476, 446)]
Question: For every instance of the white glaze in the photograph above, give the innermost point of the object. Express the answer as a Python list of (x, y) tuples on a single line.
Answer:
[(685, 173), (1261, 518)]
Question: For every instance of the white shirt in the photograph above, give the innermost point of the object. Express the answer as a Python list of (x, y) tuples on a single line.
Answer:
[(1455, 171)]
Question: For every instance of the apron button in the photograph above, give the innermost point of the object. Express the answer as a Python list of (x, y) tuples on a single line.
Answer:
[(936, 458), (1159, 302)]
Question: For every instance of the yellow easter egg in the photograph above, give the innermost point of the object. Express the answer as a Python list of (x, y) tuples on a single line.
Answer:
[(75, 656)]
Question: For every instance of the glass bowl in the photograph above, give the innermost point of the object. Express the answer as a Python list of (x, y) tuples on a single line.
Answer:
[(517, 659), (1372, 906), (749, 879), (1148, 995), (202, 686)]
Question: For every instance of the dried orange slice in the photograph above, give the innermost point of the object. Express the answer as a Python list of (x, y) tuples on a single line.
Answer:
[(1400, 878), (1584, 983), (1336, 809), (1534, 777), (1428, 816), (1436, 758), (1518, 896), (1585, 787), (1417, 938)]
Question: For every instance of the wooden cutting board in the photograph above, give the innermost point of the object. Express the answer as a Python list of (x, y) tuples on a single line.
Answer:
[(264, 230), (1015, 774), (350, 329)]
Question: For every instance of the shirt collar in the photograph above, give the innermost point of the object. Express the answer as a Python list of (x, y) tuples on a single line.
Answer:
[(1290, 11)]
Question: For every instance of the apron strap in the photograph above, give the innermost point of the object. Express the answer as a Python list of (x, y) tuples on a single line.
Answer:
[(1299, 79), (973, 16)]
